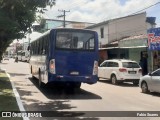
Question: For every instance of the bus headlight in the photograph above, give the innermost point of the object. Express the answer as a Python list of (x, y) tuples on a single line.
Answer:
[(52, 66), (95, 68)]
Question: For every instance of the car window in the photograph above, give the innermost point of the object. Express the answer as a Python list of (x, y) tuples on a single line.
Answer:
[(156, 73), (112, 64), (130, 65), (104, 64), (115, 64)]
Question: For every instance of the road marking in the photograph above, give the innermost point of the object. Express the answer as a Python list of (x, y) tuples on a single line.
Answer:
[(19, 102)]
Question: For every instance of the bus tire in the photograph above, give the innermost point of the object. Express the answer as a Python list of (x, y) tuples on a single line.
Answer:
[(31, 69), (40, 83), (32, 73)]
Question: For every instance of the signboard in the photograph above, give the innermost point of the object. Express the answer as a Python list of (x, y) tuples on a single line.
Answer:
[(78, 25), (154, 39), (133, 43)]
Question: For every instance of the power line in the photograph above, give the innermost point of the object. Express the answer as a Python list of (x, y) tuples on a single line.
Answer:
[(76, 4), (142, 9), (146, 8)]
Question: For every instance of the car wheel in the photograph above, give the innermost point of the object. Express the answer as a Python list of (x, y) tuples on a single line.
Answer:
[(144, 87), (113, 79)]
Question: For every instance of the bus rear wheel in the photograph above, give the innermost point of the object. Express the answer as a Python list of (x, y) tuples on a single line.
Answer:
[(40, 83), (32, 74)]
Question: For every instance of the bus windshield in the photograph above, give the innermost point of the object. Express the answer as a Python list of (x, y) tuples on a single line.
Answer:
[(75, 40)]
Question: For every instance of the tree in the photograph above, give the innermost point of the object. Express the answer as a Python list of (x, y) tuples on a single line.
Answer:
[(16, 18)]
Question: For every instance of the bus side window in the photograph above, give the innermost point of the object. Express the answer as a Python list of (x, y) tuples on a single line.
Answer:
[(89, 44), (36, 47), (33, 48), (46, 44), (40, 47), (43, 46), (75, 42)]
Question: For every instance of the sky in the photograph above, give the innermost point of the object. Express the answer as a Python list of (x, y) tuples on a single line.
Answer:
[(96, 11)]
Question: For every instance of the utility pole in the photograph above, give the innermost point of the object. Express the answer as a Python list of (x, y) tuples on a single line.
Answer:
[(64, 14)]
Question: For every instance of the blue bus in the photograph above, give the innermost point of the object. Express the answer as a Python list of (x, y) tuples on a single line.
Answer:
[(65, 55)]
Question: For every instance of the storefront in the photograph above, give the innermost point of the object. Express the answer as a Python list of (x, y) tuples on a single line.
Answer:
[(137, 48), (135, 45), (128, 48)]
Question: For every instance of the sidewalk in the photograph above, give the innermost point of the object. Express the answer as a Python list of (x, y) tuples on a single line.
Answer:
[(8, 101)]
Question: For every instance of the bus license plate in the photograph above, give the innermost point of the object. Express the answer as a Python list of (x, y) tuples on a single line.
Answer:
[(74, 73)]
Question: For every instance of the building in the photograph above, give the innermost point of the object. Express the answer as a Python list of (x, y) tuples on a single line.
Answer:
[(154, 47), (119, 28), (47, 24), (124, 37)]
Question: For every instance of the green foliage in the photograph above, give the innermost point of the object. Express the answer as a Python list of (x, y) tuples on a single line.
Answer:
[(16, 18), (7, 97)]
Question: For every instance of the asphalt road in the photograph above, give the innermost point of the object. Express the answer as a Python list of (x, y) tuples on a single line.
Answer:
[(101, 98)]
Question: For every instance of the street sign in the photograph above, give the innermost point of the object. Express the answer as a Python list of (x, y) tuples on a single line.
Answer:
[(154, 39)]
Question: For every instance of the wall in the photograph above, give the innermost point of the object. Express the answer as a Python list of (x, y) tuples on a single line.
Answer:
[(127, 26), (120, 28), (102, 41), (134, 53), (49, 24)]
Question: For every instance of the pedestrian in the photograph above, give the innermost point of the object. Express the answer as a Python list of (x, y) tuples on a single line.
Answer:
[(16, 59), (141, 64)]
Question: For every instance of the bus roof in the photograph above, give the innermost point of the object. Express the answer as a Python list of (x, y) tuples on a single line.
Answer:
[(47, 32)]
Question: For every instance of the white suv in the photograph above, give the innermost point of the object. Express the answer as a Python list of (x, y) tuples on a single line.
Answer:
[(120, 70)]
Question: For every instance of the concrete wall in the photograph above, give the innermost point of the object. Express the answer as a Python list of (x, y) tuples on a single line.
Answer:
[(127, 26), (102, 41), (119, 28), (134, 53)]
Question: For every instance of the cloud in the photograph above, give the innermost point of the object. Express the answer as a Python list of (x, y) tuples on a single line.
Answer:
[(97, 10)]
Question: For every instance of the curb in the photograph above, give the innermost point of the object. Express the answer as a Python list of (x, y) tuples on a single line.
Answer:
[(19, 102)]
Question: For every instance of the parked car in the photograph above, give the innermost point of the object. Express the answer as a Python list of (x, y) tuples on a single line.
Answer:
[(150, 82), (120, 70)]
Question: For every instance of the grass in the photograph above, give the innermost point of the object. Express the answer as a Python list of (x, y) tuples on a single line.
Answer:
[(7, 98)]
